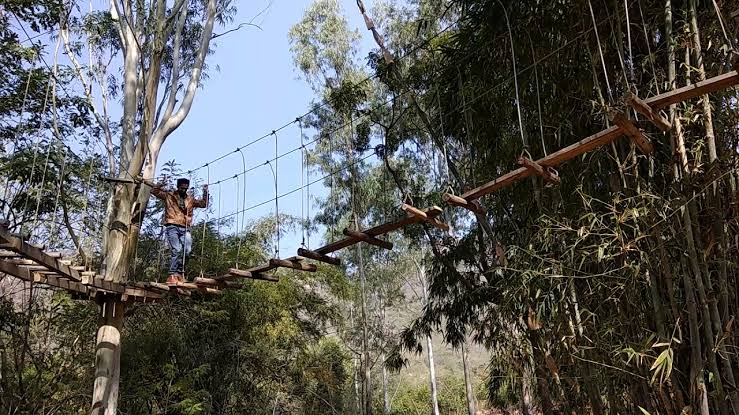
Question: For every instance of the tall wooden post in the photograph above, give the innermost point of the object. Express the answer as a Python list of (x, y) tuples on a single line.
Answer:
[(108, 356)]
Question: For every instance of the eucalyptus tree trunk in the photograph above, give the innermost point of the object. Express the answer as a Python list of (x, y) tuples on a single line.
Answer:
[(429, 346), (108, 358), (469, 388), (139, 154), (385, 393)]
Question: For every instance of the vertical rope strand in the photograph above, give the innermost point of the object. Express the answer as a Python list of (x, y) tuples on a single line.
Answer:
[(600, 52), (205, 221), (303, 162), (277, 205)]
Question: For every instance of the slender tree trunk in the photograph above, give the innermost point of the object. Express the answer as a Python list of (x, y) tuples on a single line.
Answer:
[(385, 395), (469, 388), (429, 347), (108, 357), (677, 141), (705, 312), (527, 388), (698, 50)]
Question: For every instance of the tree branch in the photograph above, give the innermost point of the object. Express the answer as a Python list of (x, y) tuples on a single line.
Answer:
[(235, 29), (171, 123)]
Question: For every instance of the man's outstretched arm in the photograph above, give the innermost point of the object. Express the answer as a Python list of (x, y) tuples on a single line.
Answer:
[(203, 203), (156, 188)]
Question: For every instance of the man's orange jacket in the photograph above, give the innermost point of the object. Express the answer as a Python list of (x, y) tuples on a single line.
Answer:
[(173, 214)]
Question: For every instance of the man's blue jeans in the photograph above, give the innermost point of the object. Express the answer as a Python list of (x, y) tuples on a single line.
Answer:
[(180, 245)]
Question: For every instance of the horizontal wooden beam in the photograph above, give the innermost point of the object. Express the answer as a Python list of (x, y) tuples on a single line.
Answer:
[(375, 231), (292, 264), (631, 131), (581, 147), (539, 170), (318, 257), (644, 109), (716, 83), (363, 237)]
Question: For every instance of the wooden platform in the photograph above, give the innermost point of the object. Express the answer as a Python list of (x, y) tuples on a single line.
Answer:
[(30, 263)]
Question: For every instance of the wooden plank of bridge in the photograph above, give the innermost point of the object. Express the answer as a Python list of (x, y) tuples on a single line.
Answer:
[(631, 131), (292, 263), (318, 257), (212, 282), (539, 170), (716, 83), (16, 244), (361, 236), (252, 275), (644, 109), (420, 214)]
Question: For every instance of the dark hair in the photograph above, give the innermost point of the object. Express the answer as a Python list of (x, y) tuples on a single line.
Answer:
[(183, 181)]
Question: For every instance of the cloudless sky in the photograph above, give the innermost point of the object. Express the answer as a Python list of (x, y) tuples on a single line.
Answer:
[(256, 90)]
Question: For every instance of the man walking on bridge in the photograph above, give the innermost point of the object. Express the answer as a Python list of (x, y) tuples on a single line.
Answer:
[(178, 208)]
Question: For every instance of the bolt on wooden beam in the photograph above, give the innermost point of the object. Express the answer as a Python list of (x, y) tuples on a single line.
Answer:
[(539, 170), (359, 236), (631, 131)]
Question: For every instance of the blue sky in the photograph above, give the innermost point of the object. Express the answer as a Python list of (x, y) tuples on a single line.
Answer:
[(256, 90)]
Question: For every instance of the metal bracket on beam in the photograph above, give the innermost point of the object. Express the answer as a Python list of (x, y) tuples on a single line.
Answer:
[(547, 173)]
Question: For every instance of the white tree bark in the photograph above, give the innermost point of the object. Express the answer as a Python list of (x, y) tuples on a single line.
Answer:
[(429, 346), (469, 389), (108, 358), (122, 233)]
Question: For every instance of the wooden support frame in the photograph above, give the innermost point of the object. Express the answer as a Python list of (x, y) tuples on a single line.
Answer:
[(539, 170), (631, 131), (644, 109), (318, 257), (423, 216), (363, 237)]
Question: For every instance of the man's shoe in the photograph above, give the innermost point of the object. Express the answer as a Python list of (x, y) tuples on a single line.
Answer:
[(173, 279)]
